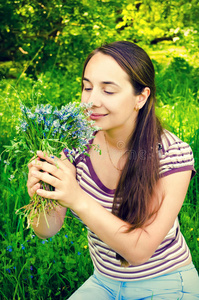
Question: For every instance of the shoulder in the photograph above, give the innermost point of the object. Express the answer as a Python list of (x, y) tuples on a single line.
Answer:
[(175, 155)]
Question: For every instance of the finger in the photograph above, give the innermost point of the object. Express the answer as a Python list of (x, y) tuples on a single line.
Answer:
[(34, 167), (47, 168), (45, 177), (33, 159), (34, 189), (47, 194), (32, 180), (52, 160)]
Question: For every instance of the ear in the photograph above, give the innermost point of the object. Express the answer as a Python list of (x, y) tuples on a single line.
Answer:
[(143, 97)]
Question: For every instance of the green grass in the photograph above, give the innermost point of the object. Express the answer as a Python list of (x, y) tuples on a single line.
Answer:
[(31, 268), (52, 269)]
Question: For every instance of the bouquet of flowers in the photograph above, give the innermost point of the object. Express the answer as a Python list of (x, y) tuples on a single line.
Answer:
[(51, 130)]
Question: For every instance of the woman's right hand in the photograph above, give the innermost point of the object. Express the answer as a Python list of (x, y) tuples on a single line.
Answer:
[(33, 183)]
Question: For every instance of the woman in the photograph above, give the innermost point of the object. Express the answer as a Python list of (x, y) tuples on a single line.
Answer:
[(130, 195)]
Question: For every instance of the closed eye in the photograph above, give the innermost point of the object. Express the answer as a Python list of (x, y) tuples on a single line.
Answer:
[(109, 93), (87, 89)]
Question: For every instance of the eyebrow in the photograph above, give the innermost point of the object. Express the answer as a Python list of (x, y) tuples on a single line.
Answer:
[(104, 82)]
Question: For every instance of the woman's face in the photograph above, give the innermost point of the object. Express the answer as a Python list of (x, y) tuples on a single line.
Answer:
[(107, 86)]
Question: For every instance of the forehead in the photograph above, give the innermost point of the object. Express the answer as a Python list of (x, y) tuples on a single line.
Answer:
[(101, 65)]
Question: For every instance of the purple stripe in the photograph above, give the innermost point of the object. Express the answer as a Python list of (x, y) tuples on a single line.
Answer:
[(179, 145), (83, 180), (181, 169), (147, 263), (150, 261), (166, 141), (156, 274), (93, 186), (96, 179), (180, 156), (80, 158), (131, 271), (146, 266), (173, 163), (169, 139), (89, 176), (180, 159), (168, 254), (107, 262), (101, 201)]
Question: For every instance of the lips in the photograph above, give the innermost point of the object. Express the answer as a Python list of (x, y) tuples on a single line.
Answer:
[(95, 116)]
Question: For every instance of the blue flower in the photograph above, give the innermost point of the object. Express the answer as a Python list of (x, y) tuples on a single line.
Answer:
[(43, 109), (22, 247), (39, 119), (66, 235), (9, 248), (78, 253), (30, 115), (24, 126), (56, 124), (44, 241)]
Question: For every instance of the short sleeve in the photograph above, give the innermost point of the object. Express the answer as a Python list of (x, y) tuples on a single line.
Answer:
[(175, 156)]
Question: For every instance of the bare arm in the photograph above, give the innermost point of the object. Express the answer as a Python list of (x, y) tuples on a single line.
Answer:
[(136, 246), (55, 220)]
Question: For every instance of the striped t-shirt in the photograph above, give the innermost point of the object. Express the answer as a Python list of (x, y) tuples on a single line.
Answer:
[(175, 156)]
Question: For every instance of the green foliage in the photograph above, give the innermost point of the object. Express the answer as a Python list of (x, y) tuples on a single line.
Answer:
[(155, 21), (31, 268), (40, 34)]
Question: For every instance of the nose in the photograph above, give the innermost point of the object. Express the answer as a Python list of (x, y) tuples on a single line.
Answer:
[(92, 96)]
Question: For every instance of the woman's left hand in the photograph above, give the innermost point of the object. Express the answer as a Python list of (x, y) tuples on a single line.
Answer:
[(61, 174)]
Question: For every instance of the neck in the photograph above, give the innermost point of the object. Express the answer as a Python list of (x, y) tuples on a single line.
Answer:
[(118, 140)]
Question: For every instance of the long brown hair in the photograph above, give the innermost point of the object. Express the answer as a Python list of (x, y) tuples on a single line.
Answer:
[(133, 200)]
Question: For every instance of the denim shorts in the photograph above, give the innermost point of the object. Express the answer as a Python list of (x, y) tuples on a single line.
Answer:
[(182, 283)]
